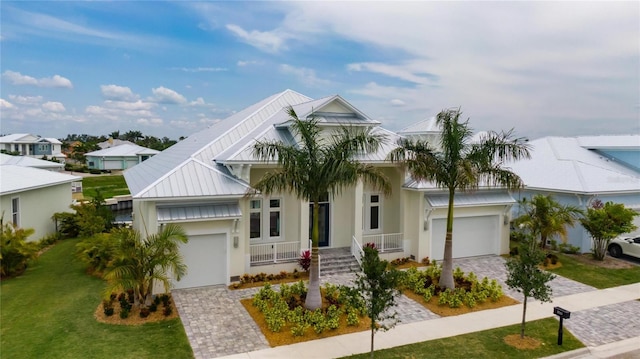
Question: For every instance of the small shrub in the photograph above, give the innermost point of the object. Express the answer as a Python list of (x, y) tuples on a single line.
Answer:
[(144, 312), (167, 311), (124, 313), (568, 248), (425, 261), (153, 308), (514, 251), (107, 306), (305, 260)]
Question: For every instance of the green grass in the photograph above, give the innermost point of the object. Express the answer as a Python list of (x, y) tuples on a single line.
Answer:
[(487, 344), (48, 313), (109, 186), (596, 276)]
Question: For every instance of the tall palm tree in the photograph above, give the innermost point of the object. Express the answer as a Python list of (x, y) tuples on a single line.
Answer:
[(138, 261), (545, 217), (317, 166), (460, 164)]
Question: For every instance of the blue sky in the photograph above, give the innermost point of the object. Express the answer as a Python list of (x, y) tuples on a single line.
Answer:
[(173, 68)]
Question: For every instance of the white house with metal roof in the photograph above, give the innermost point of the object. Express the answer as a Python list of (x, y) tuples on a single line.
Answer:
[(30, 196), (201, 183), (25, 161), (579, 170), (120, 157)]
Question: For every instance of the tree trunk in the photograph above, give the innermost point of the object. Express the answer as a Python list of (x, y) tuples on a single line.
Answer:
[(446, 277), (372, 336), (314, 299), (524, 315), (543, 241)]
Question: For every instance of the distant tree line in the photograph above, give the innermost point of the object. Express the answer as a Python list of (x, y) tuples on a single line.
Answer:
[(80, 144)]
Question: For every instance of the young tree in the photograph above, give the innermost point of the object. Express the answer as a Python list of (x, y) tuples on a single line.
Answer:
[(379, 286), (606, 222), (317, 166), (544, 217), (138, 261), (461, 164), (525, 276), (15, 251)]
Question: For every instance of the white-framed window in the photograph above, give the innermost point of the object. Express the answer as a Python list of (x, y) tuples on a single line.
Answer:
[(373, 213), (275, 218), (15, 211), (255, 219)]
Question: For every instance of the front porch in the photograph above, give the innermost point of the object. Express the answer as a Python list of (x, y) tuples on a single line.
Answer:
[(287, 252)]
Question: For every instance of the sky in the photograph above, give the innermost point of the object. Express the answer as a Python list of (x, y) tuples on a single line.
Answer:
[(169, 69)]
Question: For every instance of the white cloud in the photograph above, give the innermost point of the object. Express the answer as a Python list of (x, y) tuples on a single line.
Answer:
[(304, 75), (165, 95), (17, 78), (118, 93), (247, 63), (26, 100), (53, 106), (150, 121), (269, 41), (130, 106), (198, 102), (4, 104), (200, 69), (397, 102), (404, 72)]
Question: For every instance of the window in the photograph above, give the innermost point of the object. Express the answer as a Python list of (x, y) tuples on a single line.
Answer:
[(15, 211), (255, 219), (373, 213), (274, 218)]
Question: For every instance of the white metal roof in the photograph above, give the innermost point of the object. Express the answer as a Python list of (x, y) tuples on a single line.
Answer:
[(470, 199), (197, 212), (610, 142), (428, 125), (26, 161), (123, 150), (565, 164), (19, 138), (15, 179)]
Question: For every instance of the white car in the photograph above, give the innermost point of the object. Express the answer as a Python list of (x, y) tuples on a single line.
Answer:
[(625, 245)]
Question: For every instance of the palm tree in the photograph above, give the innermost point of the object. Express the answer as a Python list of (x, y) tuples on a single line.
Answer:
[(460, 164), (138, 262), (317, 166), (545, 217)]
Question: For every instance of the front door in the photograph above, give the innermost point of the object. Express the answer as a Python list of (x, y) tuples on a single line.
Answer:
[(323, 223)]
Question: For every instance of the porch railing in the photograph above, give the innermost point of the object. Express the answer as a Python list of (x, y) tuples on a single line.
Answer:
[(385, 242), (276, 252), (356, 250)]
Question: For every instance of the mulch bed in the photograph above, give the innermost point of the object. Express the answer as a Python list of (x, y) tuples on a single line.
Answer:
[(134, 315), (446, 311)]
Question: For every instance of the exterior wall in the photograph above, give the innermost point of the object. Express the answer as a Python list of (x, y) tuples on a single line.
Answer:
[(37, 207), (99, 162)]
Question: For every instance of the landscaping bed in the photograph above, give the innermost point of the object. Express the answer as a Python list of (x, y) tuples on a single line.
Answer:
[(162, 309)]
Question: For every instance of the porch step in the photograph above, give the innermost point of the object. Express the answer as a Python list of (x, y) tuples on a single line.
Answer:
[(337, 260)]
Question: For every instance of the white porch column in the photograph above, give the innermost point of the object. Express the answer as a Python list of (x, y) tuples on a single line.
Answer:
[(357, 210)]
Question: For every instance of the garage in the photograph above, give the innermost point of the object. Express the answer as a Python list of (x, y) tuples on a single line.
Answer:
[(472, 236), (112, 164), (130, 163), (206, 258)]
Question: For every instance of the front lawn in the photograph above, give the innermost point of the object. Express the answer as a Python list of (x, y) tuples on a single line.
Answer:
[(487, 344), (594, 275), (109, 186), (48, 312)]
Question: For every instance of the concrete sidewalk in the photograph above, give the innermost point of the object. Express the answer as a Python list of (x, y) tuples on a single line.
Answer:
[(403, 334)]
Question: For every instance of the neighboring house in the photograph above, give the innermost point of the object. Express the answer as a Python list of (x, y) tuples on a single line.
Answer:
[(119, 157), (30, 196), (201, 183), (113, 143), (579, 170), (30, 162), (33, 146)]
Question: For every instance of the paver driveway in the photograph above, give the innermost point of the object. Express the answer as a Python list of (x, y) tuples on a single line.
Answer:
[(217, 324)]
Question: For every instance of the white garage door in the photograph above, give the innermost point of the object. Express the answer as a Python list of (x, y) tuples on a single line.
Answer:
[(131, 163), (472, 236), (206, 260), (112, 165)]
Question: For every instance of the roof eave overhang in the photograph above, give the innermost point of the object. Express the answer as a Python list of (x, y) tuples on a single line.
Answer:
[(189, 198)]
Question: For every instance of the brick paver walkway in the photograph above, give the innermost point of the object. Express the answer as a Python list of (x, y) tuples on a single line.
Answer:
[(217, 324)]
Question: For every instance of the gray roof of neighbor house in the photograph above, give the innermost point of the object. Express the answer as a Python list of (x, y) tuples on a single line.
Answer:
[(123, 150), (25, 161), (569, 164), (113, 142), (17, 179), (194, 167)]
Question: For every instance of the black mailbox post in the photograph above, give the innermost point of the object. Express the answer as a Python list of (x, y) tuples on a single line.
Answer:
[(563, 314)]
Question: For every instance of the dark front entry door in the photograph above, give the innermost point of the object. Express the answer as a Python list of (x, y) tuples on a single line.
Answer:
[(323, 224)]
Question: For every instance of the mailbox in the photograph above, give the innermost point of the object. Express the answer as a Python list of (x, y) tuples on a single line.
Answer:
[(561, 312)]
